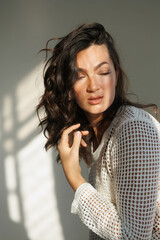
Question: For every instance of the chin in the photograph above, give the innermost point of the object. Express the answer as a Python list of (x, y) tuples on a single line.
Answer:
[(99, 111), (95, 112)]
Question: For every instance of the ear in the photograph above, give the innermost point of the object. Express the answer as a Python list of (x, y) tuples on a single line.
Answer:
[(117, 73)]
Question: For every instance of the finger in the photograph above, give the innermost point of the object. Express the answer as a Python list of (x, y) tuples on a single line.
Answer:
[(67, 131), (83, 143), (84, 133), (71, 128), (77, 141)]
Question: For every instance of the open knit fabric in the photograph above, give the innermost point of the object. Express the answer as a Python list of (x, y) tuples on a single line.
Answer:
[(122, 198)]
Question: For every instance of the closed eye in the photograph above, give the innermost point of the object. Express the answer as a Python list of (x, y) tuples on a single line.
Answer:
[(80, 77), (105, 73)]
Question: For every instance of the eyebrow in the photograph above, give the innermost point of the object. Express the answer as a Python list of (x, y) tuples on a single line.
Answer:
[(100, 64), (95, 68)]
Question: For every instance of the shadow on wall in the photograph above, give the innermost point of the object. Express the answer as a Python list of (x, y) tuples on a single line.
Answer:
[(33, 188)]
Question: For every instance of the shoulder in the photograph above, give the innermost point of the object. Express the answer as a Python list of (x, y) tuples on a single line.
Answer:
[(128, 112), (134, 119)]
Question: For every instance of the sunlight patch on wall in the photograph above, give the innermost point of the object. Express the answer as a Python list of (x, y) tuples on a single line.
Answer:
[(8, 145), (27, 93), (28, 128), (13, 203), (29, 176), (11, 184), (40, 212)]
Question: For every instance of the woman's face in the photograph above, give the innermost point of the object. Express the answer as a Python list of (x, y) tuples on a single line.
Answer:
[(95, 88)]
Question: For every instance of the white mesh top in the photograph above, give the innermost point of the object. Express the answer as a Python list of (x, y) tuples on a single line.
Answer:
[(122, 198)]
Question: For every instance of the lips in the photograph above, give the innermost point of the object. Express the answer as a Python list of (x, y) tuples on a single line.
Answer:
[(95, 100)]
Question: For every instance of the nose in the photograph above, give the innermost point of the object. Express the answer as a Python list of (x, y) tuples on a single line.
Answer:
[(93, 84)]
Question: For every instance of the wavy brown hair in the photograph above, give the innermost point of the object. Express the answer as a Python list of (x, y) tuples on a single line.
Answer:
[(60, 73)]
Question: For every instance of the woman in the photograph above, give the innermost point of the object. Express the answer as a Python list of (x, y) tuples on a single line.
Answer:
[(88, 114)]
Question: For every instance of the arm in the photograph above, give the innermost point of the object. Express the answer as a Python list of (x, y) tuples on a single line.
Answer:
[(136, 166), (69, 154)]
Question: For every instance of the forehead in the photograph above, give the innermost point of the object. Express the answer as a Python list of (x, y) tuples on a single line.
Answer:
[(93, 55)]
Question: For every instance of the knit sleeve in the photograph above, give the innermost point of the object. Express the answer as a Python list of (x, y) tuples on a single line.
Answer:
[(136, 166)]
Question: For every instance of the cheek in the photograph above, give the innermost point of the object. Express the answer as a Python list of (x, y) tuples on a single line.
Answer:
[(109, 85), (78, 92)]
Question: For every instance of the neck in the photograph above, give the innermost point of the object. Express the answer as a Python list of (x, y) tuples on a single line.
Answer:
[(95, 121), (99, 131)]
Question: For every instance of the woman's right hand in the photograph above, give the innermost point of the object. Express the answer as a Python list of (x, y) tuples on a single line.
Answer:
[(69, 154)]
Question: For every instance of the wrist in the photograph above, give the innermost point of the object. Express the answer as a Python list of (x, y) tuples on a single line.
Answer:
[(75, 182)]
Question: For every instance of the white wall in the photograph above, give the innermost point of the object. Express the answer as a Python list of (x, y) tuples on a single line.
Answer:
[(35, 198)]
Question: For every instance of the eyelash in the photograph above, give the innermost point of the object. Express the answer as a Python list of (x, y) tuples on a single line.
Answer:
[(80, 78), (106, 73), (103, 74)]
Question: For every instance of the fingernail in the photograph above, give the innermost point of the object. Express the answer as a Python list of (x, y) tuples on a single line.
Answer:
[(78, 133)]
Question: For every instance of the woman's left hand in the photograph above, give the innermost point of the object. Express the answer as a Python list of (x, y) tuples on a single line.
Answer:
[(70, 155)]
